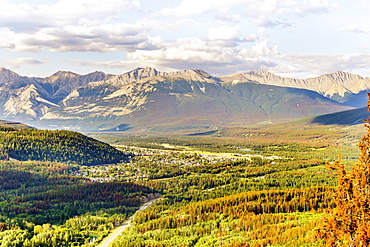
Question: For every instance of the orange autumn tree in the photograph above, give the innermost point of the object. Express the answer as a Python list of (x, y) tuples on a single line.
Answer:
[(348, 224)]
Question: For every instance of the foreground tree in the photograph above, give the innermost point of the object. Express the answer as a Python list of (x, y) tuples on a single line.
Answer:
[(348, 224)]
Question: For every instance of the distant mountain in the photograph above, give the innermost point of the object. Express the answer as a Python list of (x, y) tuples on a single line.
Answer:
[(16, 125), (24, 98), (183, 99), (340, 86), (61, 84), (149, 100)]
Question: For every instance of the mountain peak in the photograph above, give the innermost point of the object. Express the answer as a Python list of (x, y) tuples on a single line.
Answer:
[(4, 69), (7, 75), (202, 73), (266, 77), (192, 74), (341, 76), (262, 73), (64, 74), (149, 70), (140, 73), (117, 81)]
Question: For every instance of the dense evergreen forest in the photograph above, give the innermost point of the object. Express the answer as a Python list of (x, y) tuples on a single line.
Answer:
[(216, 192), (231, 192), (58, 146), (41, 204), (239, 201)]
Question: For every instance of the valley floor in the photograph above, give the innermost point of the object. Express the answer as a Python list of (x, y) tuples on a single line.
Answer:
[(228, 193), (247, 190)]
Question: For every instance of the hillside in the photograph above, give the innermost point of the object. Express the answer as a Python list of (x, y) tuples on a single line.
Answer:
[(60, 146), (148, 100)]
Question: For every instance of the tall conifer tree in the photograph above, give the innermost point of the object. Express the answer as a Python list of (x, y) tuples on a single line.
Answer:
[(348, 224)]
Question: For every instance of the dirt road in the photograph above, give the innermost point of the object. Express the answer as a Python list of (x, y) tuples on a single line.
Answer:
[(111, 237)]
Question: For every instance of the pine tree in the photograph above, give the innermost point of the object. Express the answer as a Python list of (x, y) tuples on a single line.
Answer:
[(348, 224)]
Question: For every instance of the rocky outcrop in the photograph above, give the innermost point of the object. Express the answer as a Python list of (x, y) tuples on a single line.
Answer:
[(7, 75), (62, 83), (27, 101)]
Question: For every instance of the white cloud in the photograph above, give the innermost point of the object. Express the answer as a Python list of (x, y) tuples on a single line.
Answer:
[(228, 17), (196, 53), (226, 36), (263, 49), (318, 64), (268, 13), (354, 28), (7, 39), (315, 6), (260, 12), (30, 18), (183, 49), (18, 62), (103, 38), (271, 13), (70, 25), (84, 37), (227, 61), (195, 7), (121, 65), (185, 53), (172, 26), (223, 33), (216, 33), (94, 25), (255, 7), (351, 28)]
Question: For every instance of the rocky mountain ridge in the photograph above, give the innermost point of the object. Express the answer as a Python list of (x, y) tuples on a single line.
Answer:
[(337, 83), (7, 75), (182, 99)]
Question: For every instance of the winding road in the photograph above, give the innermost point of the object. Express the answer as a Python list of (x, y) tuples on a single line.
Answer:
[(118, 231)]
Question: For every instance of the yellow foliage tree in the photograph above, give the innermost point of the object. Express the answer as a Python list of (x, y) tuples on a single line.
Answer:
[(348, 224)]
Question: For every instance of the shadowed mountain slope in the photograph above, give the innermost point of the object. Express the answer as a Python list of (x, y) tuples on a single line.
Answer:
[(350, 117)]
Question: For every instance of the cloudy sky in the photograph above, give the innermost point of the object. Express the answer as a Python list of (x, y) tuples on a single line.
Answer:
[(291, 38)]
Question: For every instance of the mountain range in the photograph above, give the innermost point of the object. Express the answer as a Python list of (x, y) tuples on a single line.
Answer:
[(145, 99)]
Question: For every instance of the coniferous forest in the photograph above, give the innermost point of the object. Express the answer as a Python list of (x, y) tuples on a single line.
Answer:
[(67, 189), (58, 146)]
